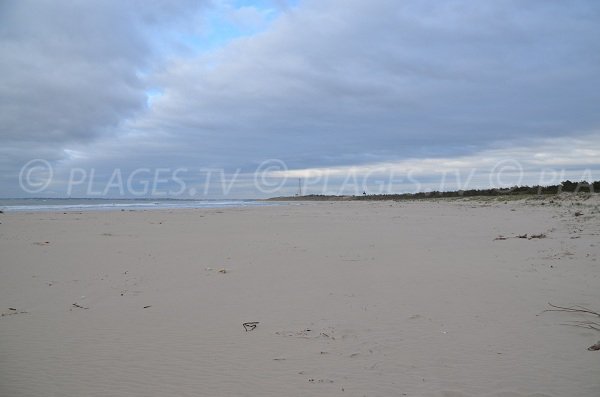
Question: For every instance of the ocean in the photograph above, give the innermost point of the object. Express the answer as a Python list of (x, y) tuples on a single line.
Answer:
[(82, 204)]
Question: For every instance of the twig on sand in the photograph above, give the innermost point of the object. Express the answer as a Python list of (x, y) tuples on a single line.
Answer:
[(585, 324), (79, 306), (571, 309), (582, 324), (250, 326)]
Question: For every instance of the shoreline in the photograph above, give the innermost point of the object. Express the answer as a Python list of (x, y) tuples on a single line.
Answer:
[(79, 205)]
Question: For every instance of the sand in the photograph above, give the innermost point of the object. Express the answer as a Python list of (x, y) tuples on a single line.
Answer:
[(351, 299)]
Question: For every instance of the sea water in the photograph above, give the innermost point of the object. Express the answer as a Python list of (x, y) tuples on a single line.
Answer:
[(79, 204)]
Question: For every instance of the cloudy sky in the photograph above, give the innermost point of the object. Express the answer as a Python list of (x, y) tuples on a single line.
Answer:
[(202, 94)]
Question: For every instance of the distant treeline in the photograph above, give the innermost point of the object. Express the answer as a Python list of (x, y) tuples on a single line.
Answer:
[(566, 186)]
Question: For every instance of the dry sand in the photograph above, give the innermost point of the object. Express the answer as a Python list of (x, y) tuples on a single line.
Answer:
[(352, 299)]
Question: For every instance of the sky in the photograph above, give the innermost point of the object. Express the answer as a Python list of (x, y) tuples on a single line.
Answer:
[(241, 98)]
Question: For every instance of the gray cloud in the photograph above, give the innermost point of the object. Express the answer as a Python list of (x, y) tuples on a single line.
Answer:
[(72, 71), (329, 83), (346, 80)]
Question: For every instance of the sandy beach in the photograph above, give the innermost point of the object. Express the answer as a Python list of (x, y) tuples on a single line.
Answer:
[(429, 298)]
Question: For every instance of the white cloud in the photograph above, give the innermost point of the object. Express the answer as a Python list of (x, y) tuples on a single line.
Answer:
[(548, 161)]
